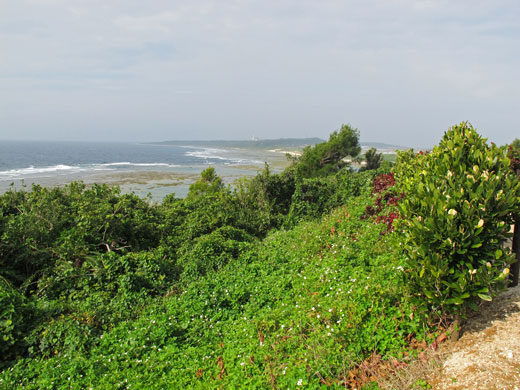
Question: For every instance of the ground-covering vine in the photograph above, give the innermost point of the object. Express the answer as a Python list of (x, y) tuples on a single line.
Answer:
[(304, 305)]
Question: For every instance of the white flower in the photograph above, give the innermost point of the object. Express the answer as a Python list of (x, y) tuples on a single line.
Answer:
[(480, 223), (300, 382), (452, 212)]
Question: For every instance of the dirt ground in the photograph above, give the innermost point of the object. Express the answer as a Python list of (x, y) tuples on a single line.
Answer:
[(487, 355)]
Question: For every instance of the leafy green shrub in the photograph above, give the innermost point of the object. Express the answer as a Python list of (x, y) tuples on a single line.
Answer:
[(110, 272), (316, 196), (46, 227), (262, 202), (312, 197), (213, 251), (30, 223), (71, 333), (456, 216), (203, 215), (13, 321)]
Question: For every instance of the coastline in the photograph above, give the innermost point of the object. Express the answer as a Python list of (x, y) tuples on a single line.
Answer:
[(159, 181)]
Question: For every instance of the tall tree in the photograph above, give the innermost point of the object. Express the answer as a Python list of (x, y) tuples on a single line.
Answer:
[(209, 183), (373, 159), (329, 157)]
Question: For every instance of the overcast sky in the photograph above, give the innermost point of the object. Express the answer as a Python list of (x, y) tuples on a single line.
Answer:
[(401, 71)]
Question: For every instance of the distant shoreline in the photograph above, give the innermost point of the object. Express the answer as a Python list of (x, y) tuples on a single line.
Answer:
[(142, 168), (254, 144), (292, 146), (294, 153), (135, 168)]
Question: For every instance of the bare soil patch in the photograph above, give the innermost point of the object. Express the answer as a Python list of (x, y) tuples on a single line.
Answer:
[(487, 356)]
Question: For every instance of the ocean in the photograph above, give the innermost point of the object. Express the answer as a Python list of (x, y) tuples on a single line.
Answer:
[(144, 169)]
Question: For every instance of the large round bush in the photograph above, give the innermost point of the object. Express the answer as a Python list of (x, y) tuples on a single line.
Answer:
[(456, 215)]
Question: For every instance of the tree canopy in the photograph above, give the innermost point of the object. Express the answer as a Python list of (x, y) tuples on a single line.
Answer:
[(209, 183), (373, 159), (328, 157)]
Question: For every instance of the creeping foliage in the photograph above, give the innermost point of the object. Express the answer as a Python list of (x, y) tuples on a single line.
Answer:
[(304, 306)]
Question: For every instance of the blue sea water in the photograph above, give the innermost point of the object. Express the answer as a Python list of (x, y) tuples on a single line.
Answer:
[(56, 163)]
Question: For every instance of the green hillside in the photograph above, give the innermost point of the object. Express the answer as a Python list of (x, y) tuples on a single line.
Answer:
[(312, 278)]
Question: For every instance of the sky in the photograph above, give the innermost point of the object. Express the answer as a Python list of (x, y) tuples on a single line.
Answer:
[(400, 71)]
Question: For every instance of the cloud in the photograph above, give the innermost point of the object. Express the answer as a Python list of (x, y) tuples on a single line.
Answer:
[(289, 67), (126, 57), (161, 22)]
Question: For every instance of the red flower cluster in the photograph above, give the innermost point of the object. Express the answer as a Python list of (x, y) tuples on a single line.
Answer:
[(383, 182), (386, 199), (388, 220), (514, 156)]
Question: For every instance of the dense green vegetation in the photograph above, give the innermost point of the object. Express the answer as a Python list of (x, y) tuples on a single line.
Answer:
[(289, 280)]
